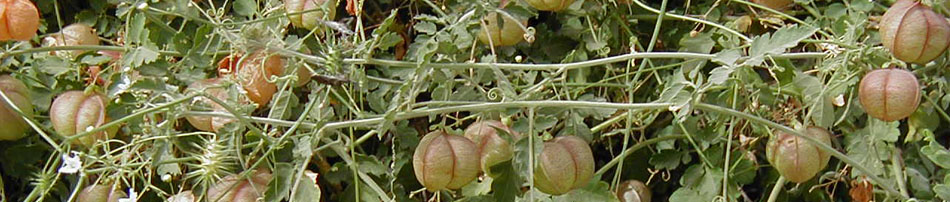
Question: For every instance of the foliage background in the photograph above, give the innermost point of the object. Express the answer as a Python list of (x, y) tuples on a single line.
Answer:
[(681, 94)]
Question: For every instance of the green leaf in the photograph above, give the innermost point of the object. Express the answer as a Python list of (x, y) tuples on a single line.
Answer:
[(943, 191), (279, 187), (777, 42), (245, 7), (506, 185), (720, 74), (308, 189), (596, 190), (937, 153), (426, 27)]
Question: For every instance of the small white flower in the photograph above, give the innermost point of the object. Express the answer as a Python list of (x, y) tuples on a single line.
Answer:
[(89, 128), (71, 163), (839, 101), (133, 196)]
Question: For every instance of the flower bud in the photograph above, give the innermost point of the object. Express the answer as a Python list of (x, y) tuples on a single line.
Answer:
[(889, 94), (12, 124), (550, 5), (913, 32), (634, 191), (492, 148), (75, 112), (507, 34), (234, 188), (795, 158), (565, 163), (100, 193), (213, 87), (444, 161), (19, 20)]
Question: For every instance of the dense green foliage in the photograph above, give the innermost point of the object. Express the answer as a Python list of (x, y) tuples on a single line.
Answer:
[(326, 100)]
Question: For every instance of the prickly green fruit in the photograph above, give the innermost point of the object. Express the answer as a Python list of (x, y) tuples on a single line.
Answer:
[(913, 32), (795, 158), (564, 164), (444, 161), (889, 94)]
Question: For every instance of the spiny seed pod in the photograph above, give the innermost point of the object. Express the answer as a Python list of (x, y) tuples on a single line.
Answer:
[(73, 35), (254, 73), (509, 33), (19, 20), (325, 10), (444, 161), (12, 125), (634, 191), (492, 148), (550, 5), (565, 164), (889, 94), (913, 32), (75, 112), (100, 193), (234, 188), (795, 158), (774, 4), (213, 87)]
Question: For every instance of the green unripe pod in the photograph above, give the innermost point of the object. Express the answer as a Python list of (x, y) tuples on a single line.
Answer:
[(12, 125), (795, 158), (492, 148), (443, 161), (565, 163)]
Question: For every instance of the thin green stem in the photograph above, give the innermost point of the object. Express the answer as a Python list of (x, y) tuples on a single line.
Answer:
[(697, 20), (638, 146), (779, 184)]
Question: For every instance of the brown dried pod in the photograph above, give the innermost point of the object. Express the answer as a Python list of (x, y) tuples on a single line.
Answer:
[(795, 158), (444, 161), (889, 94), (12, 124), (100, 193), (19, 20), (550, 5), (254, 74), (634, 191), (492, 148), (74, 112), (234, 188), (775, 4), (213, 87), (507, 34), (913, 32), (565, 164)]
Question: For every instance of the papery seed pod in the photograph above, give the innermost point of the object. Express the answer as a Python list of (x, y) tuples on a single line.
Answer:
[(100, 193), (254, 73), (75, 112), (775, 4), (565, 163), (507, 34), (325, 10), (443, 161), (73, 35), (795, 158), (213, 87), (19, 20), (492, 148), (634, 191), (913, 32), (234, 188), (889, 94), (12, 125), (550, 5)]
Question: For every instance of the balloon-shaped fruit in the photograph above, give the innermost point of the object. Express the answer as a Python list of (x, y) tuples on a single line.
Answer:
[(19, 20), (213, 87), (74, 112), (444, 161), (492, 148), (501, 34), (913, 32), (12, 125), (309, 13), (795, 158), (550, 5), (889, 94), (100, 193), (565, 163), (234, 188), (634, 191)]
